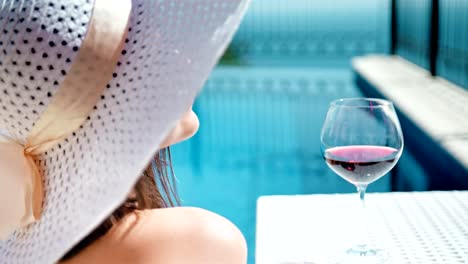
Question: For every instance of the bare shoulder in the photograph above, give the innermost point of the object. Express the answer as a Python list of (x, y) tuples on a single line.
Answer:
[(192, 235), (173, 235)]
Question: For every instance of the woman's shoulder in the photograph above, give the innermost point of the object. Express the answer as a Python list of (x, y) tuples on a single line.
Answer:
[(172, 235)]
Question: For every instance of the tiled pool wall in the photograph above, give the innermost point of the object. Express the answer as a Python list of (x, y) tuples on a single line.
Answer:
[(305, 33), (413, 19)]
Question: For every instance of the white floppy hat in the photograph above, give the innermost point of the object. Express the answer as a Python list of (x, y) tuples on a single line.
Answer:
[(88, 90)]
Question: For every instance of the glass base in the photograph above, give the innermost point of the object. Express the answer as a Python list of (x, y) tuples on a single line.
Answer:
[(362, 254), (363, 251)]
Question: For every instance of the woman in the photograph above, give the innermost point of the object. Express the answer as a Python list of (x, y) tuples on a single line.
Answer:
[(90, 91), (135, 235)]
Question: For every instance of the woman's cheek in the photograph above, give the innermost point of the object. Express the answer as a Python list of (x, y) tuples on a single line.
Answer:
[(186, 127), (190, 124)]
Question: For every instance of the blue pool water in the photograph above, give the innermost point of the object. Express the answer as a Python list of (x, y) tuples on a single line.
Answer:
[(259, 135)]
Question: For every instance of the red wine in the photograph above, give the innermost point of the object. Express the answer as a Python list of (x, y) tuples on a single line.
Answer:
[(361, 164)]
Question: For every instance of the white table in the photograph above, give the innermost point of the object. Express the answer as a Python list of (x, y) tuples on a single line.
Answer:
[(424, 227)]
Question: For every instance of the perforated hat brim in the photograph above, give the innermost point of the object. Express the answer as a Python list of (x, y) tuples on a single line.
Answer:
[(169, 52)]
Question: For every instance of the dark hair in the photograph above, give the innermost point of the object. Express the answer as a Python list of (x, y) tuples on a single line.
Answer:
[(154, 189)]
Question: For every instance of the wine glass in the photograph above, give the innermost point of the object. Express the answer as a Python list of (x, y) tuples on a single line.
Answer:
[(361, 141)]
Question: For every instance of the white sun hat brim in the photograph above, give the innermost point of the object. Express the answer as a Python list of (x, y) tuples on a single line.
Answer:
[(170, 50)]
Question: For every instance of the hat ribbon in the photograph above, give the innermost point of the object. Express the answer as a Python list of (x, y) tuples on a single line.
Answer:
[(21, 178)]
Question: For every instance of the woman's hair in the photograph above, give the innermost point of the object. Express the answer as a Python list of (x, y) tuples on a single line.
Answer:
[(154, 189)]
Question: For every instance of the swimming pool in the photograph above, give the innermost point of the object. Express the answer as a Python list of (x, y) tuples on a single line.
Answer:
[(261, 118)]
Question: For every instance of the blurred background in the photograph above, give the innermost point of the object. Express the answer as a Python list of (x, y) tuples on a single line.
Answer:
[(262, 109)]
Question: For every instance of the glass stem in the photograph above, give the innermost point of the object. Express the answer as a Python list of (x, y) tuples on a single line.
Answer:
[(362, 192), (363, 215)]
